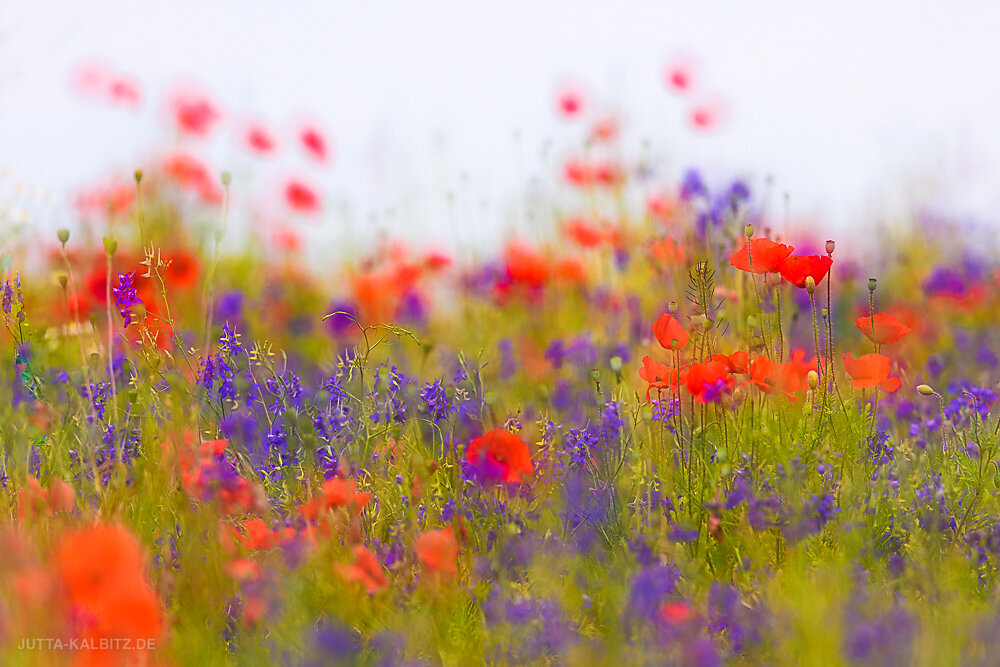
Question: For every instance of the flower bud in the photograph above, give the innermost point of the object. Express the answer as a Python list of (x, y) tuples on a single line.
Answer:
[(138, 176), (63, 280), (616, 364), (810, 284), (925, 390), (812, 379), (110, 245), (226, 178)]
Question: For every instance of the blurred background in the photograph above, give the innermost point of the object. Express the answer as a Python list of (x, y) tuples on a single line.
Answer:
[(450, 121)]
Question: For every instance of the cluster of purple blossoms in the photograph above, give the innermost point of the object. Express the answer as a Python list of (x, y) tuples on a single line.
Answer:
[(126, 297)]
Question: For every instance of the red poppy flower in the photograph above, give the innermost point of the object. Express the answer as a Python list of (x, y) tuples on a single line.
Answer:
[(669, 332), (667, 252), (604, 129), (800, 365), (336, 492), (526, 265), (570, 102), (679, 76), (301, 197), (584, 233), (366, 569), (34, 501), (125, 91), (796, 269), (194, 112), (765, 254), (438, 551), (675, 612), (500, 453), (702, 377), (182, 273), (191, 173), (260, 140), (315, 143), (660, 376), (259, 536), (871, 370), (770, 376), (738, 362), (570, 270), (887, 330), (707, 115), (102, 570)]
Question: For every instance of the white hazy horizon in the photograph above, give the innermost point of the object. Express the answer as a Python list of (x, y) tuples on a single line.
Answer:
[(857, 112)]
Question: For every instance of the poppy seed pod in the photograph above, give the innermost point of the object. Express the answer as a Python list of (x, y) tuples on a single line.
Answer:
[(63, 235), (748, 231), (830, 245), (872, 284), (138, 176)]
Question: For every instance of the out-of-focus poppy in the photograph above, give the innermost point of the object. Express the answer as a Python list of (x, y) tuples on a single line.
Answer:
[(259, 139), (765, 255), (887, 328), (314, 142), (500, 454), (585, 234), (336, 492), (667, 252), (525, 265), (34, 501), (438, 551), (570, 102), (182, 272), (366, 569), (795, 269), (194, 112), (669, 332), (301, 197), (679, 75)]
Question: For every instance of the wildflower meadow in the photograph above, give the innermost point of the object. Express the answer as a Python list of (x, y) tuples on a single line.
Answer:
[(666, 423)]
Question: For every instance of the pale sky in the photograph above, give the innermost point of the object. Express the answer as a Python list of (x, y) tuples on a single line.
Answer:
[(854, 108)]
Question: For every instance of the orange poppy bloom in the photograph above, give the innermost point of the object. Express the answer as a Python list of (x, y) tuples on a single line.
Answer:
[(584, 234), (700, 376), (765, 255), (526, 265), (182, 273), (796, 269), (35, 501), (336, 492), (887, 329), (258, 536), (103, 572), (738, 362), (366, 569), (770, 376), (871, 370), (438, 551), (666, 252), (659, 376), (669, 332), (500, 451)]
